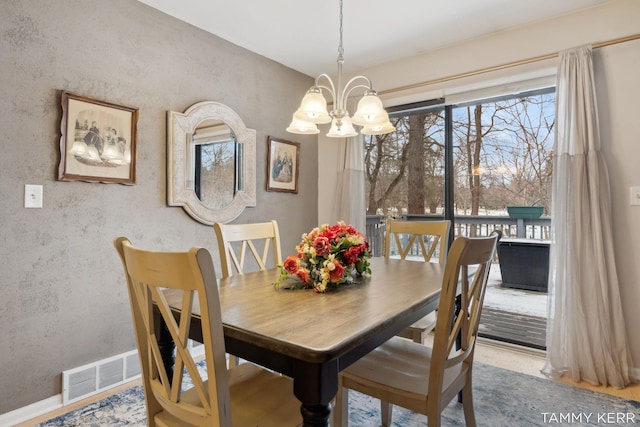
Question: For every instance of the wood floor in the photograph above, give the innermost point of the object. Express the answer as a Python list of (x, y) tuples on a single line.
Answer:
[(531, 361), (506, 356)]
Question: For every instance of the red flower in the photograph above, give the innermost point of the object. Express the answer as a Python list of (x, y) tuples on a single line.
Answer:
[(304, 276), (329, 234), (291, 264), (336, 273), (351, 255)]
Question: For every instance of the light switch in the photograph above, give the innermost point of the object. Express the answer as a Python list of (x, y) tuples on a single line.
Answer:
[(32, 196), (634, 196)]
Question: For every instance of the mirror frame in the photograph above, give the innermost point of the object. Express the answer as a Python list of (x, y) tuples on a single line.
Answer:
[(180, 128)]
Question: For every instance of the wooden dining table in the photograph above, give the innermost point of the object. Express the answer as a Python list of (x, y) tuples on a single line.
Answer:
[(310, 337)]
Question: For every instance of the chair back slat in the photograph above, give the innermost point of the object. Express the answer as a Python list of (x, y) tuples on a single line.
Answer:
[(407, 233), (237, 241)]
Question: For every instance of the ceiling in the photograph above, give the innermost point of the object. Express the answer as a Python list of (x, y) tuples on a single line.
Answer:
[(304, 34)]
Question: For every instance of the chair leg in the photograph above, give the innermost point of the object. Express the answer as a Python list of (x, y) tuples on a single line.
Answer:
[(340, 412), (467, 405), (233, 360), (386, 412)]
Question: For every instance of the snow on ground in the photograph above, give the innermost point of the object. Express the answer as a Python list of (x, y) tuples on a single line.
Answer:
[(520, 301), (514, 300)]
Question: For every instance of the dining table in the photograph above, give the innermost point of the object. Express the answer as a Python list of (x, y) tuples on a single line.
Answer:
[(309, 336)]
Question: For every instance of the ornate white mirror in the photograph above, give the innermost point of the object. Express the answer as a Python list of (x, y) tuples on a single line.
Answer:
[(211, 162)]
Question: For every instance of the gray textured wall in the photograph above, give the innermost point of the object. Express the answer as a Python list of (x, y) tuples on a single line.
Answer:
[(64, 302)]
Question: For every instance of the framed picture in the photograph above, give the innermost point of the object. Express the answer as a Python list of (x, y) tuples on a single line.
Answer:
[(98, 141), (282, 165)]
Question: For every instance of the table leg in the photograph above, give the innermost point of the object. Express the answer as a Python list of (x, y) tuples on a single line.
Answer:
[(315, 385), (166, 345), (458, 306), (316, 416)]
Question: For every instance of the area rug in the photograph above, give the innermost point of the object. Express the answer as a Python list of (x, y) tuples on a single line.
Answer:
[(502, 399)]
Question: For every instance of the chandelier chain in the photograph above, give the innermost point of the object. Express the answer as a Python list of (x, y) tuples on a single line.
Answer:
[(340, 48)]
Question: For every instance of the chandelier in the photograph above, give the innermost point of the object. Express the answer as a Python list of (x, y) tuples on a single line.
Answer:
[(313, 109)]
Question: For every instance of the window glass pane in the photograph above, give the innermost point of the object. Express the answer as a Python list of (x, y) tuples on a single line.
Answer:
[(405, 169), (503, 158)]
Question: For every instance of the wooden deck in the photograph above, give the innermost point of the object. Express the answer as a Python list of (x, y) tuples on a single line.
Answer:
[(515, 328)]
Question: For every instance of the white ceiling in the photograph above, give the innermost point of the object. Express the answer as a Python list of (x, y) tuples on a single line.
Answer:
[(303, 34)]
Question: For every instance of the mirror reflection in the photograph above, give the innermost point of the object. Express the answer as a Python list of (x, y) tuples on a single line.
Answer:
[(216, 162)]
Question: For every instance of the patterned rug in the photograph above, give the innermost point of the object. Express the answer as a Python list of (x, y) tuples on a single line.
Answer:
[(502, 399)]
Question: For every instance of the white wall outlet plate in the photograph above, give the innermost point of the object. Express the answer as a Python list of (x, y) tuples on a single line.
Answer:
[(33, 196), (634, 195)]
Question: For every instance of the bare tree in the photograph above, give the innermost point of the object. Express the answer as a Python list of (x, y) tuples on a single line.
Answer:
[(416, 171), (471, 133), (385, 163)]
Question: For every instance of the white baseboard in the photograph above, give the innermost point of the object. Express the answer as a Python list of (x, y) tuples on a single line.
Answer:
[(34, 410)]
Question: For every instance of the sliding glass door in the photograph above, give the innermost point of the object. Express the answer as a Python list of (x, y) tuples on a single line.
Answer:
[(476, 163)]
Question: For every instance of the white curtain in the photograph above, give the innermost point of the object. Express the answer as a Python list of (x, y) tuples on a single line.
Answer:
[(349, 205), (586, 337)]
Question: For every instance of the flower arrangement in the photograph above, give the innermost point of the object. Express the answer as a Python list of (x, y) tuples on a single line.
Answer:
[(327, 256)]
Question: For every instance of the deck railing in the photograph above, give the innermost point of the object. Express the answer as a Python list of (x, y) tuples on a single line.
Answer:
[(466, 225)]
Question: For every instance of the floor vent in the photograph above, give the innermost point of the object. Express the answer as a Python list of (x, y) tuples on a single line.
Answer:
[(87, 380), (93, 378)]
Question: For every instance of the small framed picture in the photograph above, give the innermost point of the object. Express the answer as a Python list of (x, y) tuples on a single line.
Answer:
[(98, 141), (282, 165)]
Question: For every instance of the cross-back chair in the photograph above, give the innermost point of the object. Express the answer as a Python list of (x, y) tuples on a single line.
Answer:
[(246, 395), (237, 241), (425, 379), (431, 237)]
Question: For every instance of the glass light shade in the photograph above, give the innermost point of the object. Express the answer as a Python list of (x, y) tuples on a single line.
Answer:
[(378, 129), (302, 127), (370, 111), (345, 130), (313, 107)]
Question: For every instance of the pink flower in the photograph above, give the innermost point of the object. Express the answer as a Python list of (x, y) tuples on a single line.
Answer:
[(322, 246)]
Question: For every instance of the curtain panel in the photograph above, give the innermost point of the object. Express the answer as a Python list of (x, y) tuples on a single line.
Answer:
[(349, 205), (586, 336)]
